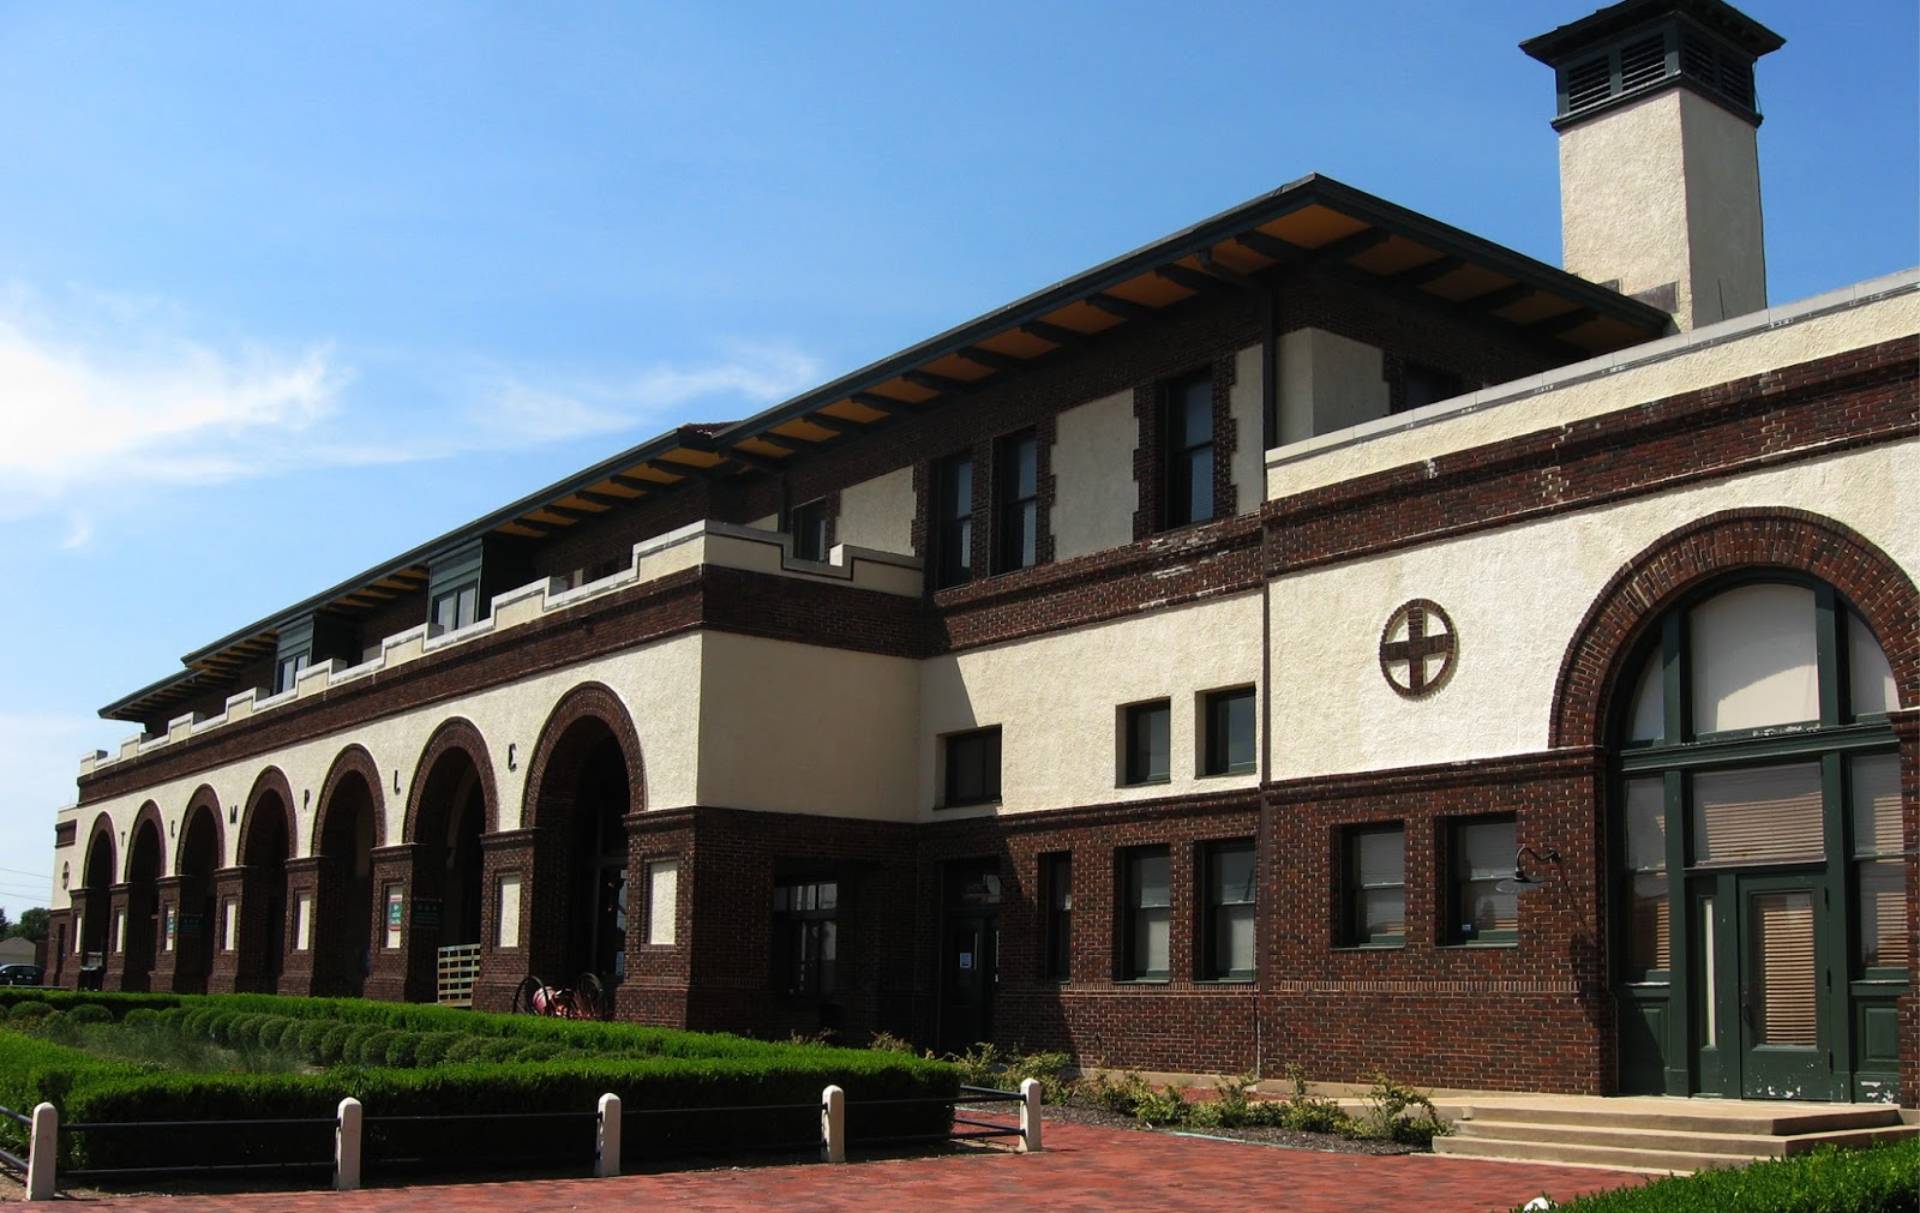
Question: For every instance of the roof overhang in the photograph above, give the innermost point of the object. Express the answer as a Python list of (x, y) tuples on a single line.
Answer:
[(1315, 222)]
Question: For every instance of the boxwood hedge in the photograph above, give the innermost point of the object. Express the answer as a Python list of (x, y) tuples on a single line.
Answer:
[(1883, 1179), (685, 1093)]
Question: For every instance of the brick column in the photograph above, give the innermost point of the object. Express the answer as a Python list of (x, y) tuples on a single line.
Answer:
[(657, 985), (165, 960), (61, 968), (223, 975), (303, 880), (115, 977), (507, 855), (393, 976)]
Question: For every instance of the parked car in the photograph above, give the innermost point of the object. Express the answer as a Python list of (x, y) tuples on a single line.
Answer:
[(22, 975)]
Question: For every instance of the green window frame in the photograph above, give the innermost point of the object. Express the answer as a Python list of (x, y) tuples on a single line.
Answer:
[(1480, 854), (1229, 911), (1146, 917), (1374, 881)]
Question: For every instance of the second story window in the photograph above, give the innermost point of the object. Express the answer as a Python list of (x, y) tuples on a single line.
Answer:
[(1018, 501), (456, 608), (1230, 732), (973, 767), (1188, 491), (1148, 738), (288, 671), (953, 519), (808, 525)]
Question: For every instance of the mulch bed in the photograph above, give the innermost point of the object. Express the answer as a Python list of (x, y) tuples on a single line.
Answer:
[(1291, 1139)]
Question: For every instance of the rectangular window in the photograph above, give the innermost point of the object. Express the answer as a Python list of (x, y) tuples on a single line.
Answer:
[(663, 901), (229, 924), (119, 931), (1056, 891), (1649, 949), (808, 525), (973, 767), (953, 519), (1758, 815), (1018, 468), (507, 913), (1229, 717), (1147, 920), (1188, 429), (302, 921), (1147, 731), (288, 671), (456, 609), (1376, 886), (1874, 800), (806, 937), (1483, 851), (167, 926), (1229, 912)]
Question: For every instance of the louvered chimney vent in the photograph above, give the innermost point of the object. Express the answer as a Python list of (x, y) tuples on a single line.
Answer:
[(1625, 52)]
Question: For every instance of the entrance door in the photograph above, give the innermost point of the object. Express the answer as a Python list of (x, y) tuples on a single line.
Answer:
[(1783, 1030), (968, 964)]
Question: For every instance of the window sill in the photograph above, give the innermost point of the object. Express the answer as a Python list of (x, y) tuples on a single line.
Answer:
[(1161, 782), (1397, 945), (1248, 980), (1142, 981), (1481, 944), (1227, 774), (968, 804)]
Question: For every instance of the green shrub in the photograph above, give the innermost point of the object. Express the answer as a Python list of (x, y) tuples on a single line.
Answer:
[(88, 1012), (333, 1044), (310, 1033), (243, 1030), (434, 1047), (402, 1049), (468, 1048), (539, 1050), (980, 1065), (1116, 1095), (366, 1043), (1398, 1112), (269, 1031), (1048, 1069), (1167, 1106), (887, 1042), (23, 1011), (138, 1017), (1882, 1179), (1232, 1105)]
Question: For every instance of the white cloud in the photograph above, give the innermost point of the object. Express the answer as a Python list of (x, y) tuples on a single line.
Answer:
[(101, 389)]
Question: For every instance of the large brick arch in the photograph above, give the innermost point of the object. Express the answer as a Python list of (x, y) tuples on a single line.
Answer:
[(203, 800), (1640, 593), (149, 815), (354, 760), (270, 782), (588, 701), (100, 835), (459, 734)]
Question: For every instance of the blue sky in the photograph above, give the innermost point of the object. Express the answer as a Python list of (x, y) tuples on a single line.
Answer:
[(284, 292)]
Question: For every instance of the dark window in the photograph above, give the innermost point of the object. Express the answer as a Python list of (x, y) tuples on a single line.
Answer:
[(806, 937), (1376, 911), (1422, 385), (1146, 922), (1148, 728), (953, 519), (1484, 912), (456, 608), (1229, 911), (973, 767), (1056, 890), (288, 670), (1230, 732), (1019, 501), (808, 525), (1189, 447)]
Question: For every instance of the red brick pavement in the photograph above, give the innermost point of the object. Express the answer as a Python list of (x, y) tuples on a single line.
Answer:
[(1083, 1168)]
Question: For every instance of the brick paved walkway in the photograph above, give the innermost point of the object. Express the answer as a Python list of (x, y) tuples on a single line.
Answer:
[(1083, 1168)]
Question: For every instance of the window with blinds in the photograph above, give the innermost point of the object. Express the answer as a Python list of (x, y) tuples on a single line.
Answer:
[(1483, 852), (1376, 886), (1758, 815), (1781, 965), (1879, 863), (1649, 916), (1754, 658)]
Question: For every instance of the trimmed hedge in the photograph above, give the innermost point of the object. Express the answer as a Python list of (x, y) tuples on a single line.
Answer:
[(400, 1062), (1882, 1179)]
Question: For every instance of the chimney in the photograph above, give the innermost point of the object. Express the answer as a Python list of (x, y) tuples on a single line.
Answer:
[(1659, 162)]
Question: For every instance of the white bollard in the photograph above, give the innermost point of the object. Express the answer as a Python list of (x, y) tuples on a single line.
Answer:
[(1029, 1141), (606, 1146), (42, 1149), (346, 1146), (833, 1125)]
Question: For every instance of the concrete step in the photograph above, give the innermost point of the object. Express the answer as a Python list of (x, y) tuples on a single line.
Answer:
[(1736, 1144), (1666, 1162), (1684, 1116)]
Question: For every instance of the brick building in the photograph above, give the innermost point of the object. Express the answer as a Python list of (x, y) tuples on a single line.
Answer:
[(1322, 635)]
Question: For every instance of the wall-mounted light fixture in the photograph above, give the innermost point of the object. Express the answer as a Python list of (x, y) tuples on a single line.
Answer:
[(1522, 880)]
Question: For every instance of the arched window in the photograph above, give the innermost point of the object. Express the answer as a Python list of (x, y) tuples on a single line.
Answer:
[(1761, 929)]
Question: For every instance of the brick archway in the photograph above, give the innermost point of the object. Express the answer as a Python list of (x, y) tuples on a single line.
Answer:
[(457, 734), (354, 760), (342, 879), (588, 701), (256, 947), (203, 800), (270, 782), (1647, 585), (452, 805)]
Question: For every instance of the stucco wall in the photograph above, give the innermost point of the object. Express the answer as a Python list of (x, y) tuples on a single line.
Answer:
[(801, 729), (1094, 494), (1515, 596), (1056, 699), (1328, 382), (1779, 338), (878, 513), (1623, 197), (658, 683), (1724, 231)]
